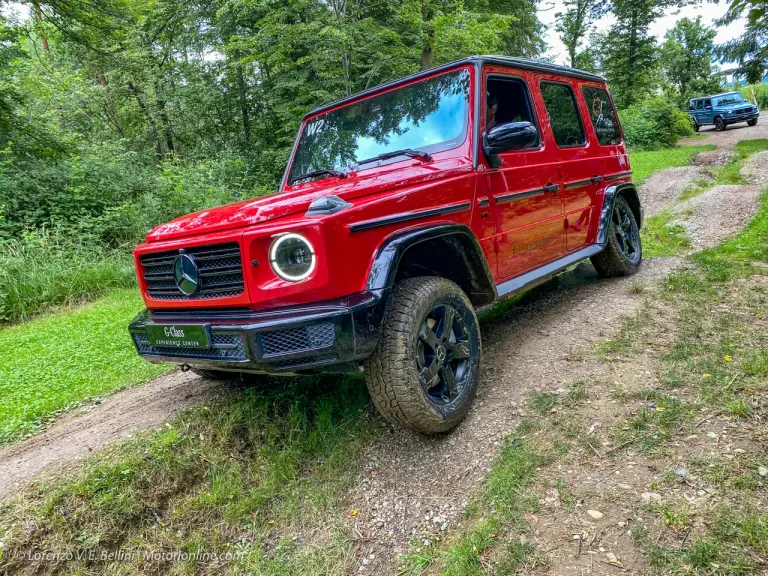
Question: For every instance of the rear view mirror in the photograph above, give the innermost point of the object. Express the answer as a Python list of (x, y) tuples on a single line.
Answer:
[(507, 137)]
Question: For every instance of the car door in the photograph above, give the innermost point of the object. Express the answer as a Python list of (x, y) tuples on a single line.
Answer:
[(708, 115), (523, 190), (579, 167), (698, 113)]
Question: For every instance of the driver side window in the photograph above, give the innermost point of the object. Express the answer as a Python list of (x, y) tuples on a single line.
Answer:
[(508, 100)]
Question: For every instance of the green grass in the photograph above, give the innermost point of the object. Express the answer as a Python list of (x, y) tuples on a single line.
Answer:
[(644, 164), (243, 476), (660, 238), (57, 361), (40, 273)]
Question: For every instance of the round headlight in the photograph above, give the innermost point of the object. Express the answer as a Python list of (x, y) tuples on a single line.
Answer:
[(292, 257)]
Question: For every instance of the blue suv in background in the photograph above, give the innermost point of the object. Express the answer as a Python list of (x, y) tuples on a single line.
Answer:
[(721, 110)]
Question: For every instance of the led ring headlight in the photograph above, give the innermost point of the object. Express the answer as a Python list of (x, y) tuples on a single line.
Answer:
[(292, 257)]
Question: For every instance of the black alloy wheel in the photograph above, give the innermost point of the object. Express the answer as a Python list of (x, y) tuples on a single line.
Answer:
[(443, 354), (719, 124), (627, 234)]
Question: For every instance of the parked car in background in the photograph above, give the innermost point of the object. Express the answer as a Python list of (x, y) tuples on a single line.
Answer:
[(722, 110), (402, 209)]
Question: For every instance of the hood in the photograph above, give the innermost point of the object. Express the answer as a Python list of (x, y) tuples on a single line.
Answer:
[(296, 201), (236, 215)]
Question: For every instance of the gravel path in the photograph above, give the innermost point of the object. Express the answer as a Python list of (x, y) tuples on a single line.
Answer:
[(666, 186)]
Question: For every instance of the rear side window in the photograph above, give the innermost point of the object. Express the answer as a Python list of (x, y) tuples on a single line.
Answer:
[(602, 116), (563, 114), (700, 105)]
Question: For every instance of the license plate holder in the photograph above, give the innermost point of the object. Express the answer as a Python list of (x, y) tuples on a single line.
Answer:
[(179, 335)]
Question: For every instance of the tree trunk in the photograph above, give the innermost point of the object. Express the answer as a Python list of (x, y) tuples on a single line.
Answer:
[(243, 97), (428, 50), (150, 121), (39, 18)]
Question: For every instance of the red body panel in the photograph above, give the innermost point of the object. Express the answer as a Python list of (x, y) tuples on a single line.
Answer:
[(516, 234)]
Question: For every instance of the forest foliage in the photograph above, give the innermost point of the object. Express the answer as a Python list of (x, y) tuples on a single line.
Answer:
[(117, 115)]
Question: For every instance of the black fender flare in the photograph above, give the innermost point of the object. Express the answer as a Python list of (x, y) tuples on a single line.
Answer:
[(629, 192), (386, 261)]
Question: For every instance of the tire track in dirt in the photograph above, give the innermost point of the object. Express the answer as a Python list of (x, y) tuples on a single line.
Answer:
[(81, 432)]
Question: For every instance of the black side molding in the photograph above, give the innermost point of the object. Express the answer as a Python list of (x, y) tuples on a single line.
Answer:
[(408, 216), (618, 175)]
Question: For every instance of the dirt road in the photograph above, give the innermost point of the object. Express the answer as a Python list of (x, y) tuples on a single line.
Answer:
[(413, 485)]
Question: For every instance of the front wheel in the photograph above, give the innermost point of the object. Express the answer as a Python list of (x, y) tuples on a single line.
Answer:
[(623, 252), (752, 122), (719, 124), (424, 371)]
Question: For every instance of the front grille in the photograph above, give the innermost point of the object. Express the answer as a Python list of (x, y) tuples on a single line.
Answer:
[(221, 272), (224, 346), (294, 340)]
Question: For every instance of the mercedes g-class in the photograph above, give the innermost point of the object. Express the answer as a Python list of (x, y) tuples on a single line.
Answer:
[(402, 209)]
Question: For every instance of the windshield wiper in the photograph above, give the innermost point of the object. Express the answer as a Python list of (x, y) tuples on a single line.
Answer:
[(395, 153), (324, 172)]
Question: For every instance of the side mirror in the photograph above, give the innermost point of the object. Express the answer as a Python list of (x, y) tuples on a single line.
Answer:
[(507, 137)]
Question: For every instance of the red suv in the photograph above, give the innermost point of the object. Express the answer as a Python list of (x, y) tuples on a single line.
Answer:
[(402, 209)]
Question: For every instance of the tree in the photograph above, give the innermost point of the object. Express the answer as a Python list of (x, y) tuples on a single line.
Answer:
[(574, 24), (750, 49), (686, 59), (628, 52)]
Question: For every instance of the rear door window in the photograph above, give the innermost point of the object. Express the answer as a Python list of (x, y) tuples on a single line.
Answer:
[(564, 119), (700, 105), (602, 115)]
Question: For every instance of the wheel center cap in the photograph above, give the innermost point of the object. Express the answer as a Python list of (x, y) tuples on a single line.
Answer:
[(440, 354)]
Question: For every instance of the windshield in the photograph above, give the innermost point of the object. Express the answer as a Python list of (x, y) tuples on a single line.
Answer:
[(729, 99), (428, 116)]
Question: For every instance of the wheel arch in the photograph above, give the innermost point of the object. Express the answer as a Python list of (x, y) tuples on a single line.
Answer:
[(449, 251), (626, 190)]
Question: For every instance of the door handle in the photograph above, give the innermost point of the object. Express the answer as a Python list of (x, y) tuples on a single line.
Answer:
[(551, 188), (597, 179)]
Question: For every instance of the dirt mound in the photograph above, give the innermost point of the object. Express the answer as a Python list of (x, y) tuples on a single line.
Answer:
[(79, 433), (755, 169), (713, 158), (717, 213), (665, 187)]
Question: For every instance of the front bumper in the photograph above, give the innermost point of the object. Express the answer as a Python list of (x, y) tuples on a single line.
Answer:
[(733, 119), (323, 336)]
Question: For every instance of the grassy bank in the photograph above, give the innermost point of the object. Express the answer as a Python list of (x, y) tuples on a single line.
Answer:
[(260, 474), (57, 361), (41, 273), (644, 164)]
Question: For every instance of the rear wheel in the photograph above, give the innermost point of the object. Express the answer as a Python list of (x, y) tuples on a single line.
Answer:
[(695, 126), (623, 252), (752, 122), (424, 371), (719, 124)]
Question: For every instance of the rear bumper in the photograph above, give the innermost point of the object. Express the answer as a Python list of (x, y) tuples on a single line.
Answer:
[(323, 336)]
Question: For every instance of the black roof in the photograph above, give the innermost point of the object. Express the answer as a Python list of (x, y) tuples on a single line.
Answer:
[(520, 63)]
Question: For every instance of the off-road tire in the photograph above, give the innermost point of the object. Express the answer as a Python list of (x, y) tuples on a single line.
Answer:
[(752, 122), (696, 127), (392, 372), (720, 124), (615, 260), (215, 374)]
